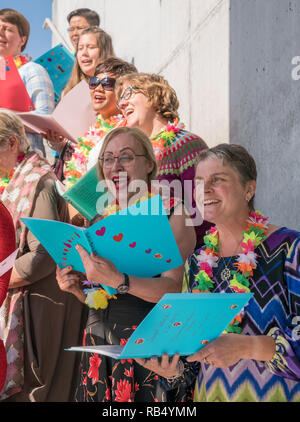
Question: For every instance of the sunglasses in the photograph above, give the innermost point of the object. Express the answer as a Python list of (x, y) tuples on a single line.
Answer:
[(108, 84)]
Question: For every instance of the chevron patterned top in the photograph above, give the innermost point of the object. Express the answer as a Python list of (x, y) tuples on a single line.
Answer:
[(274, 310)]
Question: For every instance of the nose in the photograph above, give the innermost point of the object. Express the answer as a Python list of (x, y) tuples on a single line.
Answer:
[(122, 104)]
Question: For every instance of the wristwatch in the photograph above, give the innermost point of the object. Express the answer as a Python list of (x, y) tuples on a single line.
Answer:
[(124, 287)]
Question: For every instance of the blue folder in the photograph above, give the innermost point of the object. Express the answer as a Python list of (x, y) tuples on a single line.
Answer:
[(59, 64), (139, 240), (179, 323)]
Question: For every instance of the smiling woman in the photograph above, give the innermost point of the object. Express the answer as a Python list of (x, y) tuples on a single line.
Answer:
[(126, 157), (257, 359)]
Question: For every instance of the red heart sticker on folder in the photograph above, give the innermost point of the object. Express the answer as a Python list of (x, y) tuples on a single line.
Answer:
[(101, 231), (132, 245), (118, 237)]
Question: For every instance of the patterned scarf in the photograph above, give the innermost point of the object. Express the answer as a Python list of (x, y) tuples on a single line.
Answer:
[(19, 194)]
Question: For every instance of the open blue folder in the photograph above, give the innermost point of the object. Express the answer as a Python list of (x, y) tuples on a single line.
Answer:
[(138, 240), (179, 323)]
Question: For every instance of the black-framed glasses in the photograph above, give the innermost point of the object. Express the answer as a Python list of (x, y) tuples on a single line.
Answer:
[(126, 94), (76, 28), (107, 83), (125, 160)]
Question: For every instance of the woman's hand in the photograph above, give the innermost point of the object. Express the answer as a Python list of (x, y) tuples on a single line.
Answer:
[(228, 349), (70, 281), (57, 141), (165, 368), (100, 270)]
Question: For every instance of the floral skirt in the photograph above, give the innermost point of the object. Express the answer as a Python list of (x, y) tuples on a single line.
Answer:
[(103, 379)]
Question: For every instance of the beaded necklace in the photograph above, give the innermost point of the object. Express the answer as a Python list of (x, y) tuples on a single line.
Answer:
[(245, 264)]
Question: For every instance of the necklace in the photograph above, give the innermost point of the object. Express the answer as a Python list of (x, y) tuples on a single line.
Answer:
[(76, 167), (4, 181), (21, 60), (245, 264), (225, 273)]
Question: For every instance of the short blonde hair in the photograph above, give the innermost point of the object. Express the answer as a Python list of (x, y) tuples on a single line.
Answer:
[(139, 136), (104, 42), (160, 94), (11, 125)]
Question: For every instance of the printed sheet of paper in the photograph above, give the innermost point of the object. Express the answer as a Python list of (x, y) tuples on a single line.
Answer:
[(8, 262), (71, 118), (179, 323)]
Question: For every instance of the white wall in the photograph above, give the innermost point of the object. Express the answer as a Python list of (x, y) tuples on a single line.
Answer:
[(230, 64), (186, 41)]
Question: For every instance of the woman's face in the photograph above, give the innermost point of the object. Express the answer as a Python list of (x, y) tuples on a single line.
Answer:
[(10, 40), (104, 100), (132, 166), (88, 54), (8, 156), (223, 197), (136, 109)]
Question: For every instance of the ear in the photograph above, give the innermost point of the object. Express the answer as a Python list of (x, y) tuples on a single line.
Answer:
[(150, 165), (250, 189), (23, 40), (13, 144)]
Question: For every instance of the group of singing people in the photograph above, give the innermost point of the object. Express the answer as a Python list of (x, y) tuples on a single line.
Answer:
[(235, 249)]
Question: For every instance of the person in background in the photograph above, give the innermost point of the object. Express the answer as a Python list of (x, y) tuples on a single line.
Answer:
[(80, 19), (93, 46), (14, 34), (257, 359), (149, 103), (103, 379), (38, 321)]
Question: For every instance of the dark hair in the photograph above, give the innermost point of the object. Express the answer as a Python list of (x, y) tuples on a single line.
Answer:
[(116, 66), (91, 16), (236, 157), (16, 18)]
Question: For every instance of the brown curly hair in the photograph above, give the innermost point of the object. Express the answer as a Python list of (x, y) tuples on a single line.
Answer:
[(161, 95)]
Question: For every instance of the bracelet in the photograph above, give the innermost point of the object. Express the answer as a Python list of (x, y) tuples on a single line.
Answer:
[(181, 372)]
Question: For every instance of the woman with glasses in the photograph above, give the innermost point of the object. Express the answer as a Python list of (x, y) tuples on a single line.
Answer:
[(149, 103), (126, 157), (74, 161)]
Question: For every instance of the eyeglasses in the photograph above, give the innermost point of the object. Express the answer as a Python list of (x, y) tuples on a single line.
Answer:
[(125, 160), (126, 94), (76, 28), (107, 83)]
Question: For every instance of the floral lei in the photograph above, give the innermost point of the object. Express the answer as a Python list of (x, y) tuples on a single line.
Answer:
[(246, 261), (76, 167), (97, 297), (21, 60), (4, 181), (165, 138)]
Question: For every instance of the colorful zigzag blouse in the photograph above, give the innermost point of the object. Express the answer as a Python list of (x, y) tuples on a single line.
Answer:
[(274, 310)]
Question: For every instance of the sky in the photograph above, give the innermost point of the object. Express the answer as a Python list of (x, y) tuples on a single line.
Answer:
[(35, 11)]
